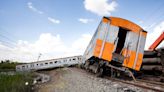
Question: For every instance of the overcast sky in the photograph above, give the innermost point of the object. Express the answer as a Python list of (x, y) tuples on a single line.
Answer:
[(59, 28)]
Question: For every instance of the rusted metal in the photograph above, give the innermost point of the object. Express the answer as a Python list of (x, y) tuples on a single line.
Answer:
[(153, 61), (118, 57), (157, 42), (156, 60), (152, 67), (119, 36), (150, 53), (117, 68)]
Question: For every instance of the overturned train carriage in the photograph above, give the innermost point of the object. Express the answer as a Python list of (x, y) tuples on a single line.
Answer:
[(117, 42)]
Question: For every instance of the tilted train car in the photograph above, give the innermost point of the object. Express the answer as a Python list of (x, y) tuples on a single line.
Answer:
[(51, 63), (116, 42)]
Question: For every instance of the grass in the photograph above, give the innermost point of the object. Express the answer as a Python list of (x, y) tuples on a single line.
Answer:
[(10, 81), (15, 83)]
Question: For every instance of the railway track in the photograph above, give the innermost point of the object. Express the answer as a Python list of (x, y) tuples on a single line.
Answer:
[(145, 84), (152, 82), (151, 85)]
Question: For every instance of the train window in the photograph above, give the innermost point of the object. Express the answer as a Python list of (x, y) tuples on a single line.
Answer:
[(41, 64), (37, 64), (51, 62), (46, 63), (55, 61), (69, 59), (32, 65), (73, 59)]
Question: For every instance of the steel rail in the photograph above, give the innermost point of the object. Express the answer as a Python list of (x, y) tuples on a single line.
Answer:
[(141, 84)]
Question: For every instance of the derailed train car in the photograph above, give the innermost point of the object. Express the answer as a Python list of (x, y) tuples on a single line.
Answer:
[(117, 43)]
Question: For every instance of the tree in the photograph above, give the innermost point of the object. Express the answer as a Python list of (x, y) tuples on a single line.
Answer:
[(2, 61), (7, 61)]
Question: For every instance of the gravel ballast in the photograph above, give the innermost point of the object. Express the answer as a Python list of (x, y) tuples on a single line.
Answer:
[(78, 80)]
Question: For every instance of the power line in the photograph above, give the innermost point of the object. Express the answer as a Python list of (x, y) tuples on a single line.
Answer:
[(7, 41), (153, 13), (159, 19), (156, 19), (4, 31), (7, 38), (7, 44)]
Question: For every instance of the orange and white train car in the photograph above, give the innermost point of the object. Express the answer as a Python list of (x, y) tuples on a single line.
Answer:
[(117, 40)]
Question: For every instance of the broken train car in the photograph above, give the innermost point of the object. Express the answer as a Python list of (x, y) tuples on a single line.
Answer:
[(118, 44)]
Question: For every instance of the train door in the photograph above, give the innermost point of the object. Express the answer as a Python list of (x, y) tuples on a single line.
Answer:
[(120, 40)]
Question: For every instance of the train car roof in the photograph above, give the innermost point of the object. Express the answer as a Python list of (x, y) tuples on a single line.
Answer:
[(116, 21)]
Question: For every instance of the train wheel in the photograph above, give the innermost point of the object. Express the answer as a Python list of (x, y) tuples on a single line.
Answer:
[(86, 65), (100, 72)]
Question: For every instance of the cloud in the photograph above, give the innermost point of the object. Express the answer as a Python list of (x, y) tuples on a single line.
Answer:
[(84, 20), (51, 46), (100, 7), (78, 46), (46, 43), (55, 21), (31, 7), (81, 43), (152, 36)]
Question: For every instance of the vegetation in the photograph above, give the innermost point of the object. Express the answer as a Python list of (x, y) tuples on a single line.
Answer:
[(16, 82), (11, 81), (7, 65)]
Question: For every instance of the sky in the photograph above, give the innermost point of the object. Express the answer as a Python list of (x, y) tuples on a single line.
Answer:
[(60, 28)]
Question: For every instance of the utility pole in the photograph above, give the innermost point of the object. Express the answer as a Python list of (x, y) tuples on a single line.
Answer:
[(39, 56)]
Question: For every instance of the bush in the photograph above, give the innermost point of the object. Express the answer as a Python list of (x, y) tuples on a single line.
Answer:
[(8, 65)]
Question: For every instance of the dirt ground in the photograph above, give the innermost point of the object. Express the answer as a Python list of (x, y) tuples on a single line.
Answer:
[(78, 80)]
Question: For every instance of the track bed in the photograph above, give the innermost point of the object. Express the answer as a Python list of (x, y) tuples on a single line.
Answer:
[(79, 80)]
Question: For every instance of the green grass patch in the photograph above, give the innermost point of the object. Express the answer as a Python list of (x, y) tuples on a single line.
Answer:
[(16, 83)]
